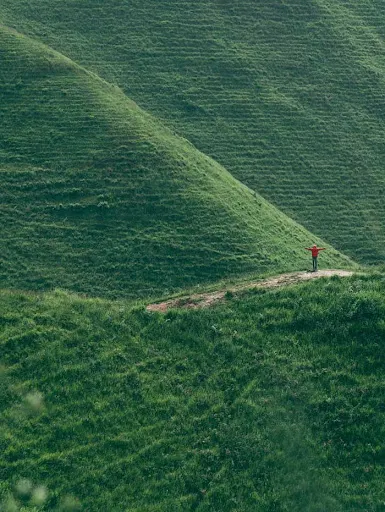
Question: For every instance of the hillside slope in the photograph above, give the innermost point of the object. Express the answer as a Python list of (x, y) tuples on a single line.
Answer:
[(271, 402), (98, 197), (288, 96)]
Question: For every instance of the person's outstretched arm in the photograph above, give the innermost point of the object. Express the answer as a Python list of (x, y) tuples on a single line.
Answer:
[(322, 249), (308, 248)]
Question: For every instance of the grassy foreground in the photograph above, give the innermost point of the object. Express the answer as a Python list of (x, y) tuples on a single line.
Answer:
[(271, 402), (287, 95), (99, 197)]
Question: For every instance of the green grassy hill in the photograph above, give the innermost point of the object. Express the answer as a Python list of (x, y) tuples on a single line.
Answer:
[(125, 127), (99, 197), (288, 96), (270, 402)]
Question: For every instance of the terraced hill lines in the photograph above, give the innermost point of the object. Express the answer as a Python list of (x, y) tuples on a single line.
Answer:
[(288, 96), (99, 197)]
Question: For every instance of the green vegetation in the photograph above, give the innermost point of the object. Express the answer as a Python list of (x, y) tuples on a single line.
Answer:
[(125, 127), (99, 197), (271, 402), (288, 96)]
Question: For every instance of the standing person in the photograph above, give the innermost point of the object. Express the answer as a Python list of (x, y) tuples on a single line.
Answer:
[(314, 252)]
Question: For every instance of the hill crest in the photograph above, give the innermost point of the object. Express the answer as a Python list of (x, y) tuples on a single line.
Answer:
[(288, 97), (108, 201)]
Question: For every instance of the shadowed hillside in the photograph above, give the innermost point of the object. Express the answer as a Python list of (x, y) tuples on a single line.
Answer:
[(265, 400), (271, 402), (99, 197), (288, 96)]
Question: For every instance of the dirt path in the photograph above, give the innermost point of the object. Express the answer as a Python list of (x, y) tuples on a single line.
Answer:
[(204, 300)]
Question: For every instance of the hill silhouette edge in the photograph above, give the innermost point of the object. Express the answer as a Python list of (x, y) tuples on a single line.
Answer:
[(108, 201)]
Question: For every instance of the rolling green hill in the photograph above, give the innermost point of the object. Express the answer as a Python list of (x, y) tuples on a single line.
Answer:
[(270, 402), (288, 96), (99, 197), (135, 141)]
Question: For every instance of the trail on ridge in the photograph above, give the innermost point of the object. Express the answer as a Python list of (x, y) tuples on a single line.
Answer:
[(204, 300)]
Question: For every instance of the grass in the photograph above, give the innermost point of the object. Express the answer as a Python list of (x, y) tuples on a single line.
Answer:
[(271, 402), (287, 96), (99, 197)]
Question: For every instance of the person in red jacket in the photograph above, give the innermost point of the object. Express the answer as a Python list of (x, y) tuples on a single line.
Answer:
[(314, 252)]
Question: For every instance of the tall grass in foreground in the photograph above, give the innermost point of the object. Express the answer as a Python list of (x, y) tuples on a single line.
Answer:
[(270, 402)]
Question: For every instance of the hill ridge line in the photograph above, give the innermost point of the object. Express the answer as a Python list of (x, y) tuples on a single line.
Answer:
[(73, 63), (70, 61), (118, 90), (121, 160), (161, 122), (204, 300)]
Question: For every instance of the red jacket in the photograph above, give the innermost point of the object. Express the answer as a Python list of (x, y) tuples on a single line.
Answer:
[(315, 250)]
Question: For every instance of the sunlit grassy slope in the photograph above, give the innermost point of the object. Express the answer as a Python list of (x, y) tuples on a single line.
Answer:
[(271, 402), (98, 197), (289, 96)]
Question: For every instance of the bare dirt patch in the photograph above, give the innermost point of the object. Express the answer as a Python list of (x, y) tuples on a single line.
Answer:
[(204, 300)]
